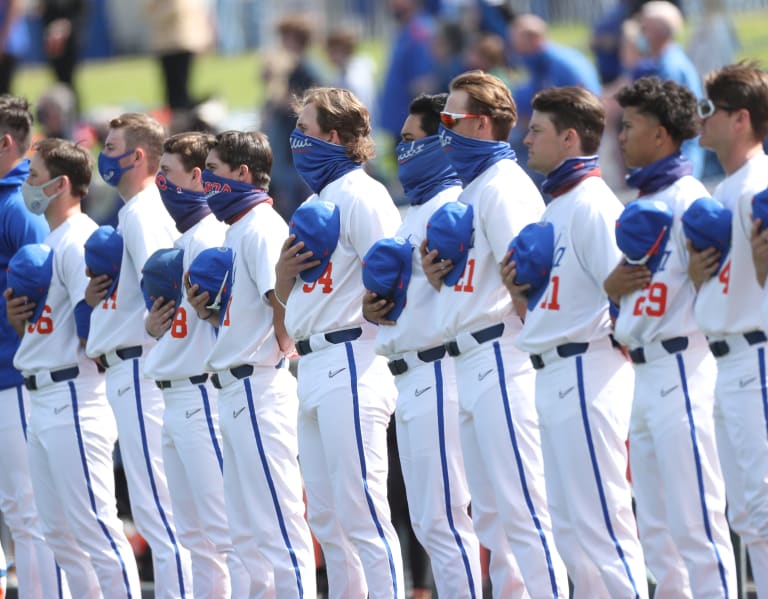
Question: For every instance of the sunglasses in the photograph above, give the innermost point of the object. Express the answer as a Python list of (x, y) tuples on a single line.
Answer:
[(451, 119), (705, 108)]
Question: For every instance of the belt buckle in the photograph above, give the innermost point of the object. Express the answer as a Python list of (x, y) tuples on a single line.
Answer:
[(397, 367), (452, 347), (302, 347), (537, 361), (719, 348)]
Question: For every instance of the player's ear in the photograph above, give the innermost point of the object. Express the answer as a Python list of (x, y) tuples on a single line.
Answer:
[(244, 173), (63, 184), (334, 137), (197, 174)]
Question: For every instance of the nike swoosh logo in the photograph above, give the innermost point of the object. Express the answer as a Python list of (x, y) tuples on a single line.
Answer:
[(190, 413), (562, 394), (744, 382), (482, 375), (60, 409), (422, 391), (333, 373), (236, 413), (665, 392), (121, 391)]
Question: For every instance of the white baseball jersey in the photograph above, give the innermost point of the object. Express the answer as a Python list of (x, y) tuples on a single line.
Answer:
[(334, 301), (251, 340), (664, 309), (182, 350), (504, 200), (416, 327), (728, 302), (146, 227), (574, 307), (52, 343)]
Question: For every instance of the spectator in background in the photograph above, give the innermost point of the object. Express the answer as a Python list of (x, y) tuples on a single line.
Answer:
[(14, 39), (713, 42), (447, 54), (62, 20), (487, 53), (353, 71), (57, 112)]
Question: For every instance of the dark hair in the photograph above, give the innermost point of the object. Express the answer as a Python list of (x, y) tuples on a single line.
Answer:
[(249, 148), (63, 157), (428, 107), (674, 105), (298, 25), (742, 85), (574, 108), (191, 147), (16, 120), (142, 131), (490, 96)]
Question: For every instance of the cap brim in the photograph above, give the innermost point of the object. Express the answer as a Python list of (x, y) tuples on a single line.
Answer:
[(455, 274)]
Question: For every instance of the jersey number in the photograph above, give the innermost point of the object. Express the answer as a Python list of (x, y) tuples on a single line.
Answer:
[(550, 300), (465, 282), (112, 298), (44, 325), (325, 280), (653, 301), (725, 276), (226, 313), (179, 325)]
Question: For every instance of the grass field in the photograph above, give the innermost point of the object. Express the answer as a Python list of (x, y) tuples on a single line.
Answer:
[(134, 82)]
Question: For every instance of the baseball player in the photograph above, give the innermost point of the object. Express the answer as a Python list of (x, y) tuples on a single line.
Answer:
[(427, 407), (191, 438), (498, 421), (119, 341), (582, 380), (72, 430), (257, 393), (35, 567), (346, 392), (674, 370), (734, 123)]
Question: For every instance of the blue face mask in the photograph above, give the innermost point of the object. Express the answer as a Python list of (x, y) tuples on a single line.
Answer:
[(110, 169), (319, 162), (423, 169), (228, 197), (470, 156), (660, 174), (186, 207)]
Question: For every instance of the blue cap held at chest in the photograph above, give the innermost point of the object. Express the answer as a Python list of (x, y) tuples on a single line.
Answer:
[(451, 232), (29, 275), (318, 225), (707, 223), (642, 232), (533, 252), (387, 270), (104, 254), (162, 276), (212, 271)]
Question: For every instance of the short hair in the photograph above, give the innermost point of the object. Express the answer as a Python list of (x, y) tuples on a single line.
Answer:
[(574, 108), (742, 85), (428, 107), (249, 148), (191, 147), (64, 157), (490, 96), (16, 120), (298, 25), (664, 13), (673, 104), (339, 109), (142, 131), (344, 37)]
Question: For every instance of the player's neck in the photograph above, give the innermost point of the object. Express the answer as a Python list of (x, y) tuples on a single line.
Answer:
[(61, 211), (737, 156), (129, 189)]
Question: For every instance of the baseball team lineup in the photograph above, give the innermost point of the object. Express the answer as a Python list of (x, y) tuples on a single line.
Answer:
[(578, 385)]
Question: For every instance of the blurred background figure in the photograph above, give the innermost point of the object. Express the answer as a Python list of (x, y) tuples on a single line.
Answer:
[(14, 40), (713, 42), (488, 53), (350, 69), (63, 20), (448, 46), (57, 112)]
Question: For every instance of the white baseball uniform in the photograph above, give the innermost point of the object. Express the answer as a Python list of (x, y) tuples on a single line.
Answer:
[(497, 416), (687, 543), (583, 397), (258, 415), (427, 417), (72, 434), (118, 337), (346, 398), (191, 438), (726, 311)]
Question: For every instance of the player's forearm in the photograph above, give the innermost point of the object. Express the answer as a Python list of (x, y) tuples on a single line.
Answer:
[(283, 287)]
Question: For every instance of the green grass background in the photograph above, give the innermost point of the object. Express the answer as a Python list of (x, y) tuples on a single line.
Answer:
[(134, 82)]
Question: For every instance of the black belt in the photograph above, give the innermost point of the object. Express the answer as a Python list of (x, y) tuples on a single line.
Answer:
[(57, 376), (124, 353), (672, 346), (721, 348), (195, 380), (303, 347), (239, 372), (566, 350), (481, 336), (432, 354)]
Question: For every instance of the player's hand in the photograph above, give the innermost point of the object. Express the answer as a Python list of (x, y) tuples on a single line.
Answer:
[(375, 308), (160, 317), (626, 279), (701, 265), (198, 300), (291, 262), (759, 240), (18, 310), (434, 268), (508, 276), (97, 288)]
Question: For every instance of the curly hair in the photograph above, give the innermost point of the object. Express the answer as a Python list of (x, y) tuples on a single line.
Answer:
[(489, 95), (428, 107), (674, 105), (742, 85)]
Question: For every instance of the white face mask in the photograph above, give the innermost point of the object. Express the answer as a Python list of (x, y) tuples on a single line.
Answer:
[(35, 198)]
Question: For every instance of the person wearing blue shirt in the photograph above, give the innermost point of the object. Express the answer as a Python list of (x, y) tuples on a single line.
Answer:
[(14, 40)]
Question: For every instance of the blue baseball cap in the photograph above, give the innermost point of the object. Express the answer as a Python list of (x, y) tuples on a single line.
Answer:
[(162, 276), (707, 223), (533, 251), (760, 208), (387, 271), (642, 232), (318, 225), (104, 254), (29, 274), (450, 231), (212, 271)]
